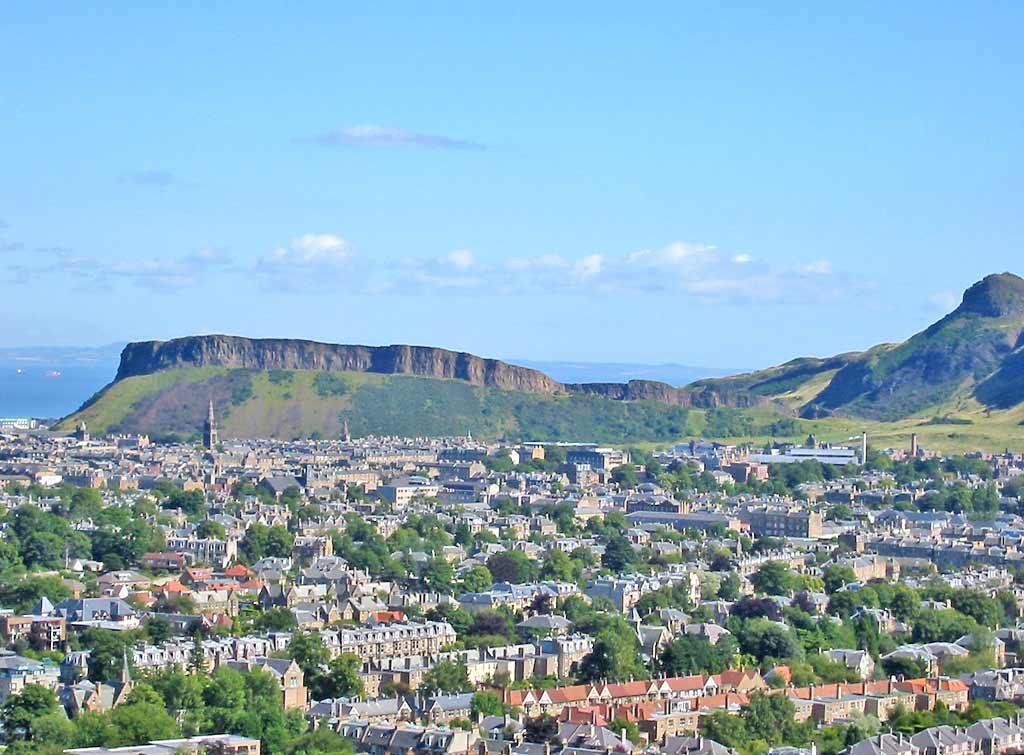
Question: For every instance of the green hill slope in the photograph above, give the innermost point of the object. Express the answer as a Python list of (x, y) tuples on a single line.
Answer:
[(974, 353), (297, 403)]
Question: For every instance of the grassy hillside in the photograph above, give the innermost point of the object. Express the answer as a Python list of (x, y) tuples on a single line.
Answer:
[(295, 403), (973, 359)]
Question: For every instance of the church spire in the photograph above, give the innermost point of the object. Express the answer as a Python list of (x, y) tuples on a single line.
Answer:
[(126, 674), (210, 429)]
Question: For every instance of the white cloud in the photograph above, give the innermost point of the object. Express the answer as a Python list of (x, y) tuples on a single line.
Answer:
[(312, 250), (372, 135), (313, 261), (541, 262), (588, 267), (326, 262), (946, 301), (818, 267), (461, 259)]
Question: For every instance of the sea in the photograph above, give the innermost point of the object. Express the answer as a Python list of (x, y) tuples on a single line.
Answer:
[(52, 383)]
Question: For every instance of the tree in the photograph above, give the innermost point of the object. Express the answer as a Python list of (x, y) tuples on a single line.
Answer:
[(769, 717), (140, 722), (835, 576), (275, 620), (477, 579), (486, 703), (622, 725), (902, 666), (839, 512), (261, 541), (618, 555), (43, 549), (321, 741), (625, 476), (766, 640), (541, 729), (491, 622), (342, 678), (85, 503), (749, 607), (439, 576), (21, 595), (557, 565), (446, 677), (773, 578), (145, 693), (21, 711), (943, 626), (905, 603), (729, 588), (196, 656), (512, 566), (615, 657), (192, 502), (985, 610), (159, 629), (725, 728), (52, 729), (843, 604), (689, 654), (107, 651), (180, 691), (308, 651), (211, 529)]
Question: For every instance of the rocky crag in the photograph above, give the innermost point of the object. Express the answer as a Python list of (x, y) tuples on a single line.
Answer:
[(148, 357)]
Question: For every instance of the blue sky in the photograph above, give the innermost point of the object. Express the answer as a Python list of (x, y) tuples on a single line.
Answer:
[(583, 181)]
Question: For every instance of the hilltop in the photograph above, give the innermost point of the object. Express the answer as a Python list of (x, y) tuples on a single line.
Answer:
[(965, 369), (974, 355)]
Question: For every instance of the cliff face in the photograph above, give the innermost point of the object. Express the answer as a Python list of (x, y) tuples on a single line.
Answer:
[(288, 354), (651, 390)]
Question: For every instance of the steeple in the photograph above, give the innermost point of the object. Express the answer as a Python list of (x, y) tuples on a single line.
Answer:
[(126, 675), (345, 434), (210, 429)]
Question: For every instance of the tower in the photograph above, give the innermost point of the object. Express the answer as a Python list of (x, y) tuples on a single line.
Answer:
[(126, 674), (210, 429), (346, 436), (914, 448)]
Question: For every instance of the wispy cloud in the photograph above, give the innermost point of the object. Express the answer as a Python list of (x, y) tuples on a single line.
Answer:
[(169, 274), (946, 301), (678, 269), (11, 246), (323, 263), (373, 136), (157, 179), (157, 274)]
